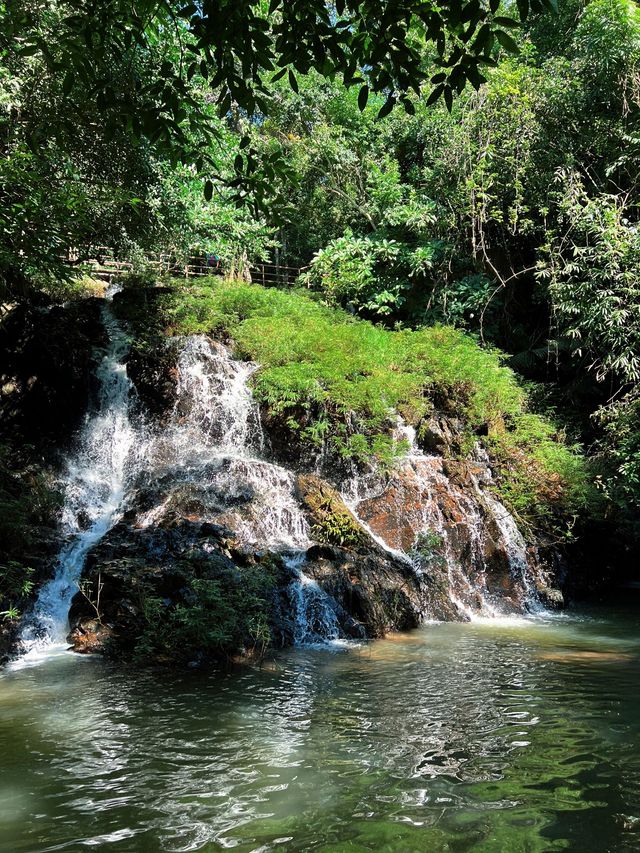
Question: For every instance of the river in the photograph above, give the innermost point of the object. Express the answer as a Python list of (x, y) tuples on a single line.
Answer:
[(499, 735)]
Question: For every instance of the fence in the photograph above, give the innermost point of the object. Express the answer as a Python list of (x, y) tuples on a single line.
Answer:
[(105, 267)]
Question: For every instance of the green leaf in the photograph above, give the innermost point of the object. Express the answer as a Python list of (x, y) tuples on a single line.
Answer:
[(293, 82), (386, 108), (29, 50), (208, 190), (408, 106), (363, 97), (435, 94), (507, 42), (501, 21)]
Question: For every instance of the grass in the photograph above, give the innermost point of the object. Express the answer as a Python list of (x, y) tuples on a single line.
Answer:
[(338, 381), (318, 360)]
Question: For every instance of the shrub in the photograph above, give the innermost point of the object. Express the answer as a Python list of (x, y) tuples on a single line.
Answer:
[(27, 502), (215, 616)]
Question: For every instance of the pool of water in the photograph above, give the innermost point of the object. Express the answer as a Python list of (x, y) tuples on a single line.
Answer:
[(518, 735)]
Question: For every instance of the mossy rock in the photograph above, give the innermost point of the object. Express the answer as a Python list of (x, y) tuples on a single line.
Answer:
[(332, 522)]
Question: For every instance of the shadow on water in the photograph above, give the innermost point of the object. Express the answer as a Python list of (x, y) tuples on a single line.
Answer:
[(502, 735)]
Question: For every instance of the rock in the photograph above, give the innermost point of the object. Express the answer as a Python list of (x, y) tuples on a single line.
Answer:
[(90, 637), (439, 434), (550, 597), (332, 522), (151, 361), (436, 510), (376, 591)]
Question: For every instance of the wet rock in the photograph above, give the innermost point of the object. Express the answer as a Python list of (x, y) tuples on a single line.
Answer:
[(90, 637), (331, 521), (436, 510), (152, 359), (439, 434), (376, 591), (550, 597)]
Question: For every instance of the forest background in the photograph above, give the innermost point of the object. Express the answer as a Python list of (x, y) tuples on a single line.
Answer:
[(501, 198)]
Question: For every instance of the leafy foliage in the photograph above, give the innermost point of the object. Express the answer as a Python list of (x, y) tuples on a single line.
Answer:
[(238, 47), (593, 274), (27, 504), (216, 617)]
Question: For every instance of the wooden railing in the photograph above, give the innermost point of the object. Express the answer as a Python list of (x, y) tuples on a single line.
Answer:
[(105, 266), (274, 274)]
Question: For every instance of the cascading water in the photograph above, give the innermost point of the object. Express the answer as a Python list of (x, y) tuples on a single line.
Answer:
[(212, 445), (314, 611), (421, 503), (209, 446), (96, 480)]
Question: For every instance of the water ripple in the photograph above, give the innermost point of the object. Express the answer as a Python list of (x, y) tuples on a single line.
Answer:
[(458, 737)]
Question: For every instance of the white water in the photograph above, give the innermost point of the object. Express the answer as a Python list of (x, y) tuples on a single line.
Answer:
[(210, 452), (467, 580), (96, 480), (210, 446), (213, 445), (314, 616)]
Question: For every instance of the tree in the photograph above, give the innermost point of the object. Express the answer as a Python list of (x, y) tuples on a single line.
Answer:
[(241, 47)]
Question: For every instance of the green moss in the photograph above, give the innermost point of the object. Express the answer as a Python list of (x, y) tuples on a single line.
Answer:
[(333, 523)]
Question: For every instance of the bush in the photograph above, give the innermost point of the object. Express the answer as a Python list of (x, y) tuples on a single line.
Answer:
[(539, 477), (215, 616), (27, 502)]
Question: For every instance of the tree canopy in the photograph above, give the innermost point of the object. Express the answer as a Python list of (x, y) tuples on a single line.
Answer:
[(474, 164), (240, 48)]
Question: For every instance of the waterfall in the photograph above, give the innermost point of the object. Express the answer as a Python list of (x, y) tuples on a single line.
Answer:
[(209, 454), (314, 611), (96, 476), (419, 503), (213, 445), (210, 446)]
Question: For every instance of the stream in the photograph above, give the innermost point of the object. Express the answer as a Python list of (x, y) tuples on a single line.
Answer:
[(512, 735)]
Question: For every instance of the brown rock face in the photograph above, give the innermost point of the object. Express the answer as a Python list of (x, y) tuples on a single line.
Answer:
[(445, 518), (90, 637)]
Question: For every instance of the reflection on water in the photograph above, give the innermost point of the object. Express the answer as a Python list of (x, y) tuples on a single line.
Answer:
[(491, 736)]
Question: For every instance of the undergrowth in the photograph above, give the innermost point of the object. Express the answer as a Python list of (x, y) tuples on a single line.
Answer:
[(27, 503), (339, 382), (215, 617)]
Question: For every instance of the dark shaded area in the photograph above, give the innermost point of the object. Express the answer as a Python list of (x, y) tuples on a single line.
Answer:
[(46, 358)]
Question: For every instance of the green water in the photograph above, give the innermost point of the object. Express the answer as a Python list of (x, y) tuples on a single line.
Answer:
[(519, 736)]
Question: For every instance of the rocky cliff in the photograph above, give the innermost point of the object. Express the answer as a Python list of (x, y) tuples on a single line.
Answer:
[(215, 535)]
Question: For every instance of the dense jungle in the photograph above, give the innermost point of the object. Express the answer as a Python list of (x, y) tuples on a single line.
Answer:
[(319, 425)]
